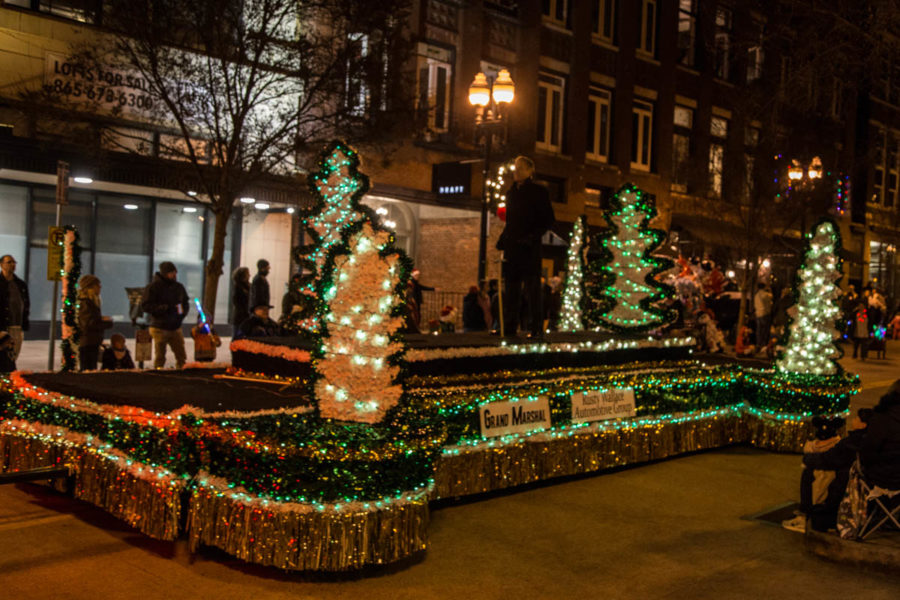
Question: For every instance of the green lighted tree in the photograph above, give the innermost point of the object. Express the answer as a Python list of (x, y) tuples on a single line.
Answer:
[(624, 286), (571, 314), (811, 347), (337, 188)]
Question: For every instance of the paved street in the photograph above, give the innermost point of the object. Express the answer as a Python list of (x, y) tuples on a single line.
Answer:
[(674, 529)]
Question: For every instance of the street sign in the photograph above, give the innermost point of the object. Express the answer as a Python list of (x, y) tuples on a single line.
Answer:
[(62, 183), (56, 239)]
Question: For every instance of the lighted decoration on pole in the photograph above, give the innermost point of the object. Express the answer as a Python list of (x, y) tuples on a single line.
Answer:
[(625, 289), (571, 314), (811, 348), (337, 188), (71, 272)]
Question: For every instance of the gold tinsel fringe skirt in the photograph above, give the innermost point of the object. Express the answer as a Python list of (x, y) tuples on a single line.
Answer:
[(298, 536)]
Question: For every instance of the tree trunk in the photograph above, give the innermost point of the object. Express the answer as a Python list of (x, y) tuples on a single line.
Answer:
[(216, 261)]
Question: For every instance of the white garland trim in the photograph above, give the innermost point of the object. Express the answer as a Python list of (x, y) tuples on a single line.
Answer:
[(238, 494), (517, 349)]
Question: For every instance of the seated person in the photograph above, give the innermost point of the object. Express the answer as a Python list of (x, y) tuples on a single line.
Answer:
[(742, 345), (116, 356), (879, 453), (826, 468), (7, 364), (258, 324)]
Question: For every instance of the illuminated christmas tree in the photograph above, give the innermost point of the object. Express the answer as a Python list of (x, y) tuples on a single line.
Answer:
[(570, 316), (625, 289), (357, 374), (811, 347), (337, 189)]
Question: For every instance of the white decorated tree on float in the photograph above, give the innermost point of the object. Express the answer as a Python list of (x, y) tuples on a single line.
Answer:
[(812, 335), (571, 313), (360, 285), (624, 285)]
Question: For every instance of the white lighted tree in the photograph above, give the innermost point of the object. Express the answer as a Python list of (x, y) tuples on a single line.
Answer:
[(628, 293), (811, 347), (570, 318), (357, 380)]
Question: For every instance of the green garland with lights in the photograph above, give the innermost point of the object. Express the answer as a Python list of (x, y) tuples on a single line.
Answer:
[(625, 293), (571, 316), (337, 189), (71, 328), (811, 337)]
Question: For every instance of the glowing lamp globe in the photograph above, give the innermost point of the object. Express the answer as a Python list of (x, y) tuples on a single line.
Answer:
[(479, 91), (504, 89)]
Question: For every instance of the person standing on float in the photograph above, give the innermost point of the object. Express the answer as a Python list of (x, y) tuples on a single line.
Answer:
[(529, 215)]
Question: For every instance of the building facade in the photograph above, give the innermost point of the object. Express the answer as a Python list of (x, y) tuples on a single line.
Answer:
[(652, 92)]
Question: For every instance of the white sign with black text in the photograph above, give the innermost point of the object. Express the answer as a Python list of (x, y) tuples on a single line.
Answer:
[(599, 405), (503, 418)]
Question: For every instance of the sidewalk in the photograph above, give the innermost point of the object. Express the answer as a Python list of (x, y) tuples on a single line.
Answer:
[(34, 354)]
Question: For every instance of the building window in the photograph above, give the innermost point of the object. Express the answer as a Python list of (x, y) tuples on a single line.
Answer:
[(723, 42), (597, 196), (434, 92), (123, 252), (555, 11), (14, 208), (83, 11), (894, 91), (718, 130), (878, 161), (681, 147), (641, 135), (837, 98), (79, 213), (647, 43), (893, 153), (687, 32), (604, 19), (550, 113), (755, 58), (556, 187), (599, 104), (356, 91)]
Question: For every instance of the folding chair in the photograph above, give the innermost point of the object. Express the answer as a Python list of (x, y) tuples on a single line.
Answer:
[(883, 505)]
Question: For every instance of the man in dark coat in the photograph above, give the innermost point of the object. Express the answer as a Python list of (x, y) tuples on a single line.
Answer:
[(528, 216), (14, 304), (879, 453), (259, 289), (166, 300)]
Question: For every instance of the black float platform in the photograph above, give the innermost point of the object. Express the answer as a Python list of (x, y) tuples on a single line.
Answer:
[(522, 354), (165, 391)]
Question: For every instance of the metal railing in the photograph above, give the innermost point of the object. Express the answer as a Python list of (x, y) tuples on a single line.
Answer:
[(434, 301)]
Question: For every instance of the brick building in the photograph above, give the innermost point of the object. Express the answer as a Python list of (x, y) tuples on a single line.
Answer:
[(654, 92)]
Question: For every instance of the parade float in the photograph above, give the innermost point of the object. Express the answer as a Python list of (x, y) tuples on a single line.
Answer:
[(321, 451)]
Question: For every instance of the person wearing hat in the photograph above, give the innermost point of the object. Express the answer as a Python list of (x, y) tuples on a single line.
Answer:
[(258, 324), (259, 289), (166, 301), (14, 303), (7, 362), (91, 322)]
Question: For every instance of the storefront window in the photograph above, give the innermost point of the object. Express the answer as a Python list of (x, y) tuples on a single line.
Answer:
[(122, 257), (223, 293), (79, 213), (179, 239), (13, 207)]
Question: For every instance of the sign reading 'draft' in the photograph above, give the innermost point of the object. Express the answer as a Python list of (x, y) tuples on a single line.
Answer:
[(598, 405), (502, 418)]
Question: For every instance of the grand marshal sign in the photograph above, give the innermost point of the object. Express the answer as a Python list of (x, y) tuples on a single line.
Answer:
[(522, 416)]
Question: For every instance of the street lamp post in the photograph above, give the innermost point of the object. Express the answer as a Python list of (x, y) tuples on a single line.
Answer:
[(489, 97), (803, 178)]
